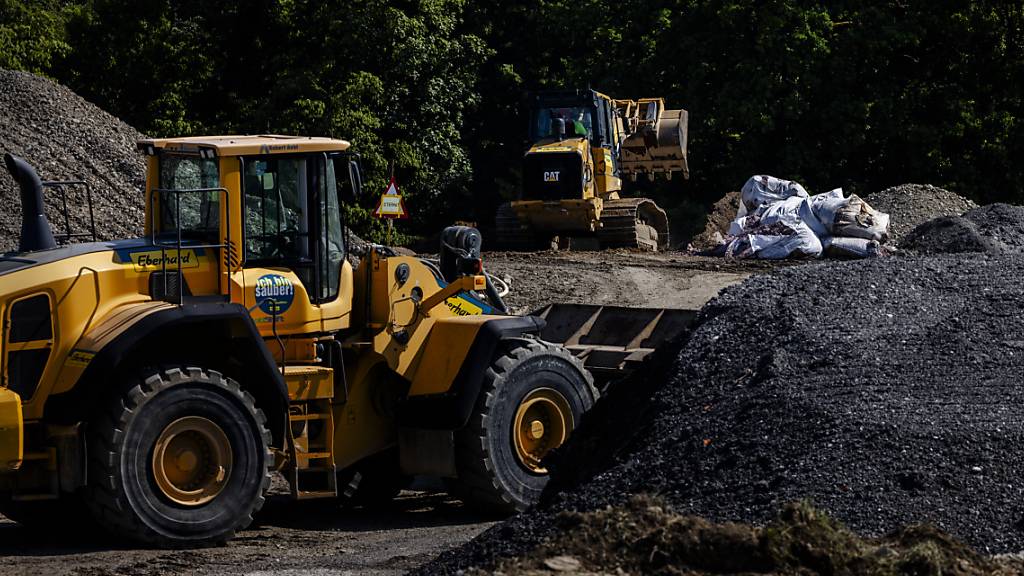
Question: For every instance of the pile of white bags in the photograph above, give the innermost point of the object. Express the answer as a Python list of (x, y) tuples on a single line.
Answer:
[(778, 219)]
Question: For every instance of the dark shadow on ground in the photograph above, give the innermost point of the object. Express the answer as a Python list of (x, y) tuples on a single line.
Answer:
[(410, 510)]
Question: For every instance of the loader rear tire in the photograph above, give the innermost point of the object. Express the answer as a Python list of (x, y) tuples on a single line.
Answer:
[(180, 459), (534, 394)]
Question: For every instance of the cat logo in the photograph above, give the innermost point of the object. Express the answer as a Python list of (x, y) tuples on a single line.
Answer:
[(551, 176)]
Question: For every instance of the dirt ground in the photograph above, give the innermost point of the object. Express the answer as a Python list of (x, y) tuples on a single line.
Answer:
[(661, 280), (314, 538), (318, 538)]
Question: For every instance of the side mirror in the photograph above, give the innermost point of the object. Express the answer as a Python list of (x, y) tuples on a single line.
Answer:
[(355, 178), (558, 128)]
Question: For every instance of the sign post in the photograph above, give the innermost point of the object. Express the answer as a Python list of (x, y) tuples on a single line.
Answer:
[(391, 206)]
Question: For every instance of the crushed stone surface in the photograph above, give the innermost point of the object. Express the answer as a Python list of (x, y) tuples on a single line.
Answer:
[(910, 205), (886, 392), (993, 229), (67, 138)]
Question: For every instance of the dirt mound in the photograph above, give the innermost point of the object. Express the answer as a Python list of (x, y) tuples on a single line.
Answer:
[(912, 204), (67, 138), (722, 214), (994, 229), (884, 391), (642, 537)]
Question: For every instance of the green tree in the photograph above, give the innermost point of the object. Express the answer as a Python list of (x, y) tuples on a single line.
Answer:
[(33, 34)]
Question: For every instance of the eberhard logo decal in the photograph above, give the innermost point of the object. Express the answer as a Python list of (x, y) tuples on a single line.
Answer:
[(274, 294), (462, 307), (551, 176), (80, 358), (155, 259)]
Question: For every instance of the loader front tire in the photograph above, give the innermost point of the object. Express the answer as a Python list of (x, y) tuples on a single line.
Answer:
[(534, 394), (179, 459)]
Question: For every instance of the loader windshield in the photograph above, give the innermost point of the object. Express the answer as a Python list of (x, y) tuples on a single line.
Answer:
[(198, 213), (578, 122)]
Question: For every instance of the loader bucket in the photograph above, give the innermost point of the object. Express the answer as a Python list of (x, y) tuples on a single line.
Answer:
[(659, 143), (611, 340)]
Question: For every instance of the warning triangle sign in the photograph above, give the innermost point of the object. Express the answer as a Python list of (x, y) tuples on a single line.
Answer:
[(391, 204)]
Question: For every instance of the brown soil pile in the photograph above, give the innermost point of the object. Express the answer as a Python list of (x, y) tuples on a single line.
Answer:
[(722, 214), (644, 537), (67, 138)]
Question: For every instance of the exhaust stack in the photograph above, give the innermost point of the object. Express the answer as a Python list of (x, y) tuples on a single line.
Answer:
[(35, 228)]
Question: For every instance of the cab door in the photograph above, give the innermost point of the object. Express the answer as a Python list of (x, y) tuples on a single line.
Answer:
[(294, 250)]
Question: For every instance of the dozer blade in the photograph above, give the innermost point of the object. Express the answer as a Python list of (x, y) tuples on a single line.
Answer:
[(611, 340)]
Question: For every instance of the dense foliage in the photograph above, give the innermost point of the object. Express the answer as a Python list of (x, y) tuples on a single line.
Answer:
[(853, 94)]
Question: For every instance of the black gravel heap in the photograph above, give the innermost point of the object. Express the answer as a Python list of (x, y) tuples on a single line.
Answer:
[(67, 138), (994, 229), (886, 392), (909, 205)]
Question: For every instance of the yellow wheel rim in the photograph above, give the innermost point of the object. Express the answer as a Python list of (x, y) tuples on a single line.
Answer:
[(192, 461), (543, 421)]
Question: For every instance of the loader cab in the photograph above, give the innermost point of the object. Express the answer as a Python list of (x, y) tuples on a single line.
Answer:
[(271, 207)]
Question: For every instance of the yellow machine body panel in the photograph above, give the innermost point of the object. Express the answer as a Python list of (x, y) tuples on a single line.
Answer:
[(80, 292), (405, 329), (419, 332), (12, 431)]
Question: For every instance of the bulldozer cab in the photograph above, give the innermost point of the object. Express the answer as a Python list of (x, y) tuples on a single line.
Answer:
[(255, 220), (571, 114)]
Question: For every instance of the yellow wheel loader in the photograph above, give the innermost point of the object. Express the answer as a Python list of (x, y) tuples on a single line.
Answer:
[(152, 385), (582, 145)]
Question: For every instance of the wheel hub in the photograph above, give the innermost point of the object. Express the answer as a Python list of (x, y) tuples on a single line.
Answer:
[(543, 422), (192, 461)]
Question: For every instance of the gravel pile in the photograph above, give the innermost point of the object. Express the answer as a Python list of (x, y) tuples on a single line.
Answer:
[(67, 138), (912, 204), (886, 391), (722, 214), (993, 229)]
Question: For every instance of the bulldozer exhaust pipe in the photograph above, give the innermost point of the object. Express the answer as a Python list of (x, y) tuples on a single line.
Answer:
[(35, 228)]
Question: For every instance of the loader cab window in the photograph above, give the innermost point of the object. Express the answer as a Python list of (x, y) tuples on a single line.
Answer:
[(578, 122), (197, 213), (332, 246), (293, 220), (276, 210)]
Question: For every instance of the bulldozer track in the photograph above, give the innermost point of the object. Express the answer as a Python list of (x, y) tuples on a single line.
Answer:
[(509, 231), (628, 223)]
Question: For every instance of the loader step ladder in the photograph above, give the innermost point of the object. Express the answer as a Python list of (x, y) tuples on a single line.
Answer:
[(312, 472)]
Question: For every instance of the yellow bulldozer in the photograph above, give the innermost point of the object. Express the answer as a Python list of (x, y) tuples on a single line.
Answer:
[(153, 385), (582, 145)]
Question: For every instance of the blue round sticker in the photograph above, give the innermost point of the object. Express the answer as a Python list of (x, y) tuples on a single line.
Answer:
[(274, 294)]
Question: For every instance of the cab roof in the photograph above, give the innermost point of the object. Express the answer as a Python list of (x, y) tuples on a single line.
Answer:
[(249, 145)]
